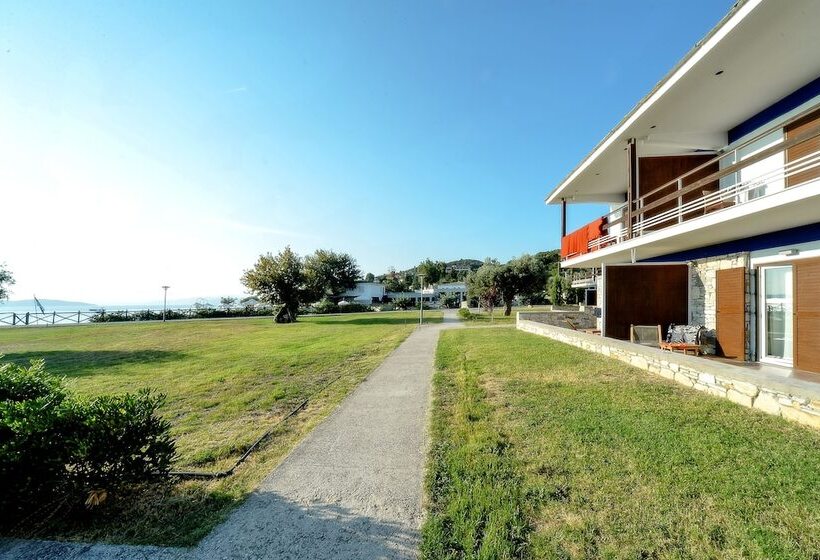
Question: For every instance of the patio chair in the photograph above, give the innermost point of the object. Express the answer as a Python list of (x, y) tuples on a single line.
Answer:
[(684, 338), (646, 335)]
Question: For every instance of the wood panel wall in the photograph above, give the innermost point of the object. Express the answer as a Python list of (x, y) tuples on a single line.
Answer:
[(654, 171), (804, 148), (644, 294), (807, 315), (731, 313)]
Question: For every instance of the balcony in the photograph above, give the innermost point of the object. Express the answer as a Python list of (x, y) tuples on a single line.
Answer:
[(769, 171)]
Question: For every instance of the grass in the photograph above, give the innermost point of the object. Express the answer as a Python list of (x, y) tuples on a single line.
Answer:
[(498, 318), (542, 450), (227, 382)]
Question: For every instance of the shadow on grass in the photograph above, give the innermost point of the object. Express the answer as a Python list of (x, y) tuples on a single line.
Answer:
[(266, 525), (409, 320), (77, 363)]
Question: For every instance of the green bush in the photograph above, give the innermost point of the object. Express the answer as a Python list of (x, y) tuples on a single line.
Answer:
[(404, 303), (450, 302), (354, 308), (465, 314), (326, 306), (55, 446)]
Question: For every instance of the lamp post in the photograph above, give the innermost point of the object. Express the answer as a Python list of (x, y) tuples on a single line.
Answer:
[(164, 301), (421, 298)]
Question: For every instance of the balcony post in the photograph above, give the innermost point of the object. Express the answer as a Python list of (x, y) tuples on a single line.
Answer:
[(632, 183), (563, 217)]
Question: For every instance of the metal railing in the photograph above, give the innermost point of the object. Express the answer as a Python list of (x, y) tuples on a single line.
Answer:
[(54, 318), (14, 319), (721, 190)]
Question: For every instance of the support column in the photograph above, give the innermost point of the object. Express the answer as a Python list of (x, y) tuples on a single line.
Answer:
[(563, 217), (632, 183)]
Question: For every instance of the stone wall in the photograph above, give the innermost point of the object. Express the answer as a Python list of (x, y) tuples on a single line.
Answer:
[(703, 296), (581, 319), (794, 400)]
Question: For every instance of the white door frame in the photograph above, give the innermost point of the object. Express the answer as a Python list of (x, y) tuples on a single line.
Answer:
[(761, 316)]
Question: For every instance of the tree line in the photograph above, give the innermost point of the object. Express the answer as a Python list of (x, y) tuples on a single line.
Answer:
[(534, 278)]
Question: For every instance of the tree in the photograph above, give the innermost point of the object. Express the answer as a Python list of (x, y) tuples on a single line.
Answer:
[(508, 282), (227, 303), (278, 280), (484, 284), (369, 277), (394, 284), (433, 271), (555, 285), (6, 280), (329, 274), (560, 288)]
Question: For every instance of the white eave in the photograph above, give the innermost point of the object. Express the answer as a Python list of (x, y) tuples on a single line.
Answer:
[(761, 51)]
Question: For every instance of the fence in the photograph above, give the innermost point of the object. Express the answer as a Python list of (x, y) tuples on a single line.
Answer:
[(31, 319)]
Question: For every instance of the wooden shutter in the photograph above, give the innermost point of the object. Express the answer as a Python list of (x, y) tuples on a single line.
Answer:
[(731, 313), (803, 149), (807, 315)]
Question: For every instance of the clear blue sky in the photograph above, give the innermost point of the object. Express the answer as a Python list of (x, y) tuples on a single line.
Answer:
[(147, 143)]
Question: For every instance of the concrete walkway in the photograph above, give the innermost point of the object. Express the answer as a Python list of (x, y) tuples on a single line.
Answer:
[(351, 489)]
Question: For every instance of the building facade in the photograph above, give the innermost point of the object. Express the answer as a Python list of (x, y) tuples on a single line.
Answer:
[(713, 185)]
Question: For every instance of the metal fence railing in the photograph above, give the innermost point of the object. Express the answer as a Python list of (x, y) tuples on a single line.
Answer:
[(31, 319)]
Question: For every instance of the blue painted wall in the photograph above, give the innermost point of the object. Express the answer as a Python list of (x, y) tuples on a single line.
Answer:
[(783, 238), (795, 99)]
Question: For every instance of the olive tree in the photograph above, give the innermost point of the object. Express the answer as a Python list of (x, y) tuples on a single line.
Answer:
[(278, 279), (485, 284), (329, 274)]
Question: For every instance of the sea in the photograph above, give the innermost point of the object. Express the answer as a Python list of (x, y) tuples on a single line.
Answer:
[(62, 306)]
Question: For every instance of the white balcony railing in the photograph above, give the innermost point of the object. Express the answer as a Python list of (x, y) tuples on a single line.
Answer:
[(761, 174)]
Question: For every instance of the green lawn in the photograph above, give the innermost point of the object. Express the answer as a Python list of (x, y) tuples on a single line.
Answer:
[(498, 318), (542, 450), (227, 382)]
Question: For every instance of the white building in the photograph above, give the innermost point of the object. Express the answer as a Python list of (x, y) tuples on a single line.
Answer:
[(366, 293)]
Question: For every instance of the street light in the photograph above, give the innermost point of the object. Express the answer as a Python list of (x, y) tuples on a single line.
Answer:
[(421, 298), (164, 301)]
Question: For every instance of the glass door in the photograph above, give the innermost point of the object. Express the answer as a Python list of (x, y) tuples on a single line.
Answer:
[(776, 317)]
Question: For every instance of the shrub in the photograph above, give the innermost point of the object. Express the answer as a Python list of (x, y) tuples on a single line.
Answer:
[(354, 308), (450, 302), (404, 303), (121, 440), (326, 306), (465, 314), (56, 446)]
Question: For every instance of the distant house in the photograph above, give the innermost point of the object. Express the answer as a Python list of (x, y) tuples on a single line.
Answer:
[(427, 295), (713, 182), (457, 289), (366, 293)]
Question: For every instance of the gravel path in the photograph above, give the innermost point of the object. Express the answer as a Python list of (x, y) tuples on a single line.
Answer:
[(351, 489)]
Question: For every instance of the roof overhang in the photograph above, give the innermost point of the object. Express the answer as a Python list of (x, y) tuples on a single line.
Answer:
[(761, 51)]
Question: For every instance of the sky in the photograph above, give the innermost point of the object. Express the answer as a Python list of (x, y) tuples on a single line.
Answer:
[(171, 143)]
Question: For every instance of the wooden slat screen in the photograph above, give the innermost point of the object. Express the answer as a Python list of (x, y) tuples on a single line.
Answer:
[(654, 171), (731, 313), (795, 152), (807, 315), (644, 294)]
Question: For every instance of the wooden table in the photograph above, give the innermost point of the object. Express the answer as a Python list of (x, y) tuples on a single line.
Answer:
[(682, 347)]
